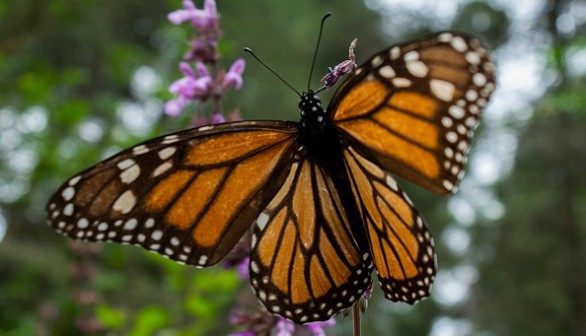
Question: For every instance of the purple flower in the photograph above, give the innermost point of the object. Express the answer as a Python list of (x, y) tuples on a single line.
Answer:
[(190, 87), (239, 258), (316, 327), (338, 72), (242, 268), (218, 118), (347, 66), (243, 333), (284, 327), (259, 323), (233, 78), (174, 106), (205, 19), (202, 49)]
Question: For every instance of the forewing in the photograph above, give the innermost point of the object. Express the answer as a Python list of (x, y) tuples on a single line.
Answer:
[(400, 244), (189, 196), (305, 263), (416, 105)]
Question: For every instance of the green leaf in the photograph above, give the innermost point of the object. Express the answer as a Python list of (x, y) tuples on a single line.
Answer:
[(110, 317), (72, 112), (200, 307), (150, 319)]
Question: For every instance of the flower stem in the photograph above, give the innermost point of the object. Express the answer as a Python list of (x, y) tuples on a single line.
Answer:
[(356, 319)]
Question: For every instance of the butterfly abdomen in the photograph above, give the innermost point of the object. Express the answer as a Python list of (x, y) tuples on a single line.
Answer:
[(323, 145)]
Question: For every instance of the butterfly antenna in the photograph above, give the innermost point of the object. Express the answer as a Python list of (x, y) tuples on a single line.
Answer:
[(321, 28), (248, 50)]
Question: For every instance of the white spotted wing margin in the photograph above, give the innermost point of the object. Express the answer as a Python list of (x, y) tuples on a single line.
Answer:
[(305, 263), (401, 246), (188, 196)]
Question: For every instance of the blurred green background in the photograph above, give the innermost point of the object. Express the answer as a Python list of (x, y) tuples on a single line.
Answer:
[(80, 80)]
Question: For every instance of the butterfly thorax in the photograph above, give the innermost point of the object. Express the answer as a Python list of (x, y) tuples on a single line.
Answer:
[(314, 127)]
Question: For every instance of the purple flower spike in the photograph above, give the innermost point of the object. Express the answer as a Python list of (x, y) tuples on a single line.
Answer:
[(181, 15), (174, 106), (233, 77), (190, 87), (284, 327), (205, 19), (186, 69), (209, 8), (202, 70), (242, 268), (243, 333), (218, 118), (316, 327)]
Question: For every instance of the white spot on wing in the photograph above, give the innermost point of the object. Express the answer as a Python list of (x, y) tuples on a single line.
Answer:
[(442, 89), (456, 111), (479, 79), (125, 202), (68, 193), (149, 223), (471, 95), (376, 61), (452, 137), (448, 185), (262, 220), (74, 180), (68, 209), (202, 260), (417, 68), (169, 139), (167, 152), (205, 128), (157, 234), (391, 182), (447, 122), (395, 53), (445, 37), (125, 164), (401, 82), (459, 44), (387, 72), (83, 223), (130, 174), (162, 168), (140, 149), (411, 56), (130, 224), (472, 57)]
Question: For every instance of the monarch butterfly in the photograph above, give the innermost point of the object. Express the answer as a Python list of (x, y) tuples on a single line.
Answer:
[(319, 193)]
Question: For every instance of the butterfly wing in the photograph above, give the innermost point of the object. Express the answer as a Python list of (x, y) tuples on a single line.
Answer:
[(402, 248), (305, 263), (189, 196), (415, 107)]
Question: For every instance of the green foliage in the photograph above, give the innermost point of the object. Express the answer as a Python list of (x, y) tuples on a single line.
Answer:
[(111, 318), (149, 320)]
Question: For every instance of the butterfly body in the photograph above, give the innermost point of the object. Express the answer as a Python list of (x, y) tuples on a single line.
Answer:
[(318, 194), (322, 145)]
